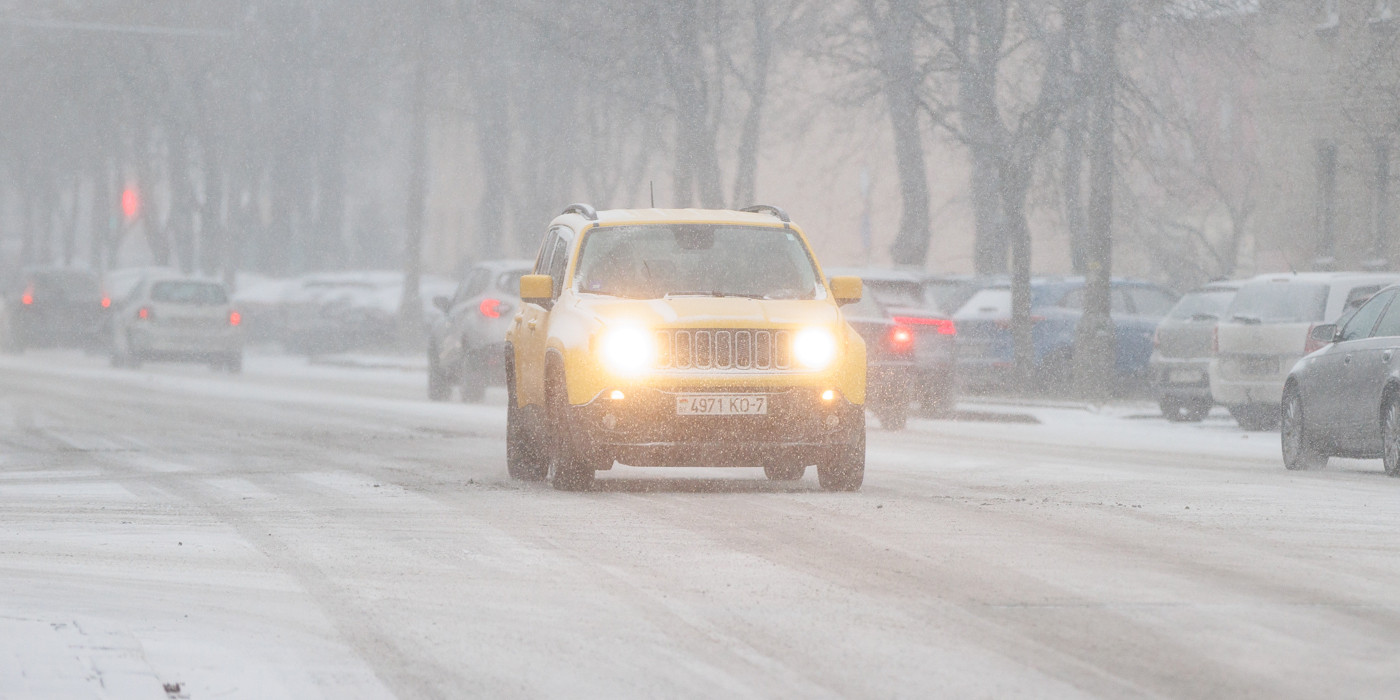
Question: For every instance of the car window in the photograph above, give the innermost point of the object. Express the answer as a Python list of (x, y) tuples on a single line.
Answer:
[(1150, 301), (188, 292), (558, 264), (1270, 301), (1206, 305), (1358, 296), (1074, 299), (546, 250), (509, 282), (1364, 320), (1389, 325), (895, 292), (653, 260), (66, 285)]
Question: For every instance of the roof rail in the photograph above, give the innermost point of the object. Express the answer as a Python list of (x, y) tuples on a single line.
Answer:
[(768, 209), (585, 210)]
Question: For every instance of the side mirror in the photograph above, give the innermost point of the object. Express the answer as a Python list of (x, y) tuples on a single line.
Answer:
[(443, 303), (847, 290), (1325, 333), (537, 289)]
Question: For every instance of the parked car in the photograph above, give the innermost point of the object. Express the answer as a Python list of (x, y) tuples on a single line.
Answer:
[(467, 340), (1265, 331), (891, 370), (174, 317), (986, 355), (948, 293), (1180, 362), (934, 382), (54, 307), (1344, 398)]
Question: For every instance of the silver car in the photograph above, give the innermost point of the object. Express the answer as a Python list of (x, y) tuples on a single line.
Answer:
[(1181, 351), (1344, 399), (466, 346), (169, 317)]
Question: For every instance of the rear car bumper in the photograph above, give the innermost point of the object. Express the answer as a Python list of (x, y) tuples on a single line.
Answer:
[(1239, 392), (158, 343), (644, 429)]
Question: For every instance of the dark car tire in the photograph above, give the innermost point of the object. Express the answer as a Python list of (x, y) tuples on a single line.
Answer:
[(892, 418), (567, 470), (844, 468), (1196, 411), (523, 460), (1300, 451), (1171, 409), (473, 385), (784, 472), (1255, 417), (1390, 434), (438, 388), (937, 403)]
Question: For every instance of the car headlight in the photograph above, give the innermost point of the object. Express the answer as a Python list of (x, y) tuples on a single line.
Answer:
[(628, 350), (814, 348)]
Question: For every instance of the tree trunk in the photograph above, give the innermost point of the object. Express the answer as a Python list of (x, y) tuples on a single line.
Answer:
[(1096, 345), (979, 32), (411, 307), (901, 84), (745, 179), (1015, 184)]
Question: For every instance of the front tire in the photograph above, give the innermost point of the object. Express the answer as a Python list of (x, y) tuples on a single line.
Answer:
[(1300, 451), (523, 460), (844, 468), (568, 470), (438, 388)]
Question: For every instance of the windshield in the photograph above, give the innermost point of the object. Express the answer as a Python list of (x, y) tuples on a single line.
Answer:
[(895, 292), (1279, 302), (181, 292), (72, 285), (657, 260), (1210, 303)]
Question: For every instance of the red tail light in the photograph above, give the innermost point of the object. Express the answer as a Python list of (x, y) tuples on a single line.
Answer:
[(490, 308), (106, 302), (944, 326), (1310, 345), (234, 318), (144, 313), (901, 339), (28, 297)]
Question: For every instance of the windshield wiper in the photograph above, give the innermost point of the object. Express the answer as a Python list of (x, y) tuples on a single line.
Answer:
[(714, 293)]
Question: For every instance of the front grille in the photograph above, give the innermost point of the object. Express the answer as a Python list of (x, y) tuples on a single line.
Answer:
[(734, 349)]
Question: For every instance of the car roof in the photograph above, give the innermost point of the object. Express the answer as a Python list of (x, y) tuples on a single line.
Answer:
[(614, 217), (1344, 276), (878, 274)]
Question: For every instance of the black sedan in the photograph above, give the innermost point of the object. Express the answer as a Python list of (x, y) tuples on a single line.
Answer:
[(1343, 399), (891, 367)]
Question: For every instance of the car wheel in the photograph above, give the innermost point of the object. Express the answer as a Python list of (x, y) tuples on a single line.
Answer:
[(567, 471), (1299, 450), (523, 460), (1391, 435), (892, 417), (473, 386), (784, 472), (1196, 411), (438, 388), (1255, 417), (1171, 409), (844, 468)]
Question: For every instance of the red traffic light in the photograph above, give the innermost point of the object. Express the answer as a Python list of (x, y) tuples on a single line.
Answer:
[(131, 203)]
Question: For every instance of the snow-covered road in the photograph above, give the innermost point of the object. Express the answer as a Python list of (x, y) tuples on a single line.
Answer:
[(307, 531)]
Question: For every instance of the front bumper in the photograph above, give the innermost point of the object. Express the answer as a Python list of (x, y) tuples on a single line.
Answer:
[(643, 429)]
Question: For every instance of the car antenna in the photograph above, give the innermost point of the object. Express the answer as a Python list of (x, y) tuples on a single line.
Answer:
[(652, 185)]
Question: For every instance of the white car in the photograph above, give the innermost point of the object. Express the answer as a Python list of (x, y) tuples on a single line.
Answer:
[(1265, 331), (173, 317)]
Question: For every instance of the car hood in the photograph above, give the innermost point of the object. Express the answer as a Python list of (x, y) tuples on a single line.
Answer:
[(711, 312)]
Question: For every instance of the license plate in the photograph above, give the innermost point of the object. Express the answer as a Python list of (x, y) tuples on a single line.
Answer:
[(1184, 376), (1259, 366), (722, 405)]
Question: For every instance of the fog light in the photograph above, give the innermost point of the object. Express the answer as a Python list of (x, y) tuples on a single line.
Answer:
[(609, 421), (617, 395), (828, 395), (832, 421)]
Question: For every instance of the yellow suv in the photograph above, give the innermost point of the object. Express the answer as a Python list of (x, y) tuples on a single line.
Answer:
[(683, 338)]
